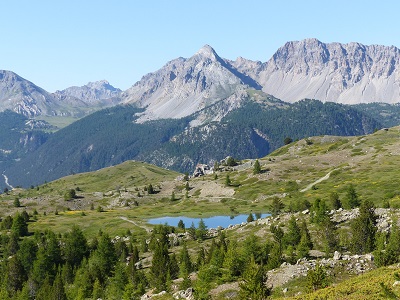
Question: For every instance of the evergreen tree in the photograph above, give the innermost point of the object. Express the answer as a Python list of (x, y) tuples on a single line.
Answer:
[(317, 278), (185, 263), (98, 291), (228, 181), (192, 231), (363, 229), (117, 283), (233, 261), (319, 211), (150, 189), (181, 225), (256, 167), (159, 270), (276, 207), (19, 225), (17, 203), (75, 246), (58, 291), (293, 235), (253, 285), (335, 201), (201, 230), (201, 258), (173, 267), (352, 197), (27, 254), (275, 257), (250, 218), (328, 235), (15, 274)]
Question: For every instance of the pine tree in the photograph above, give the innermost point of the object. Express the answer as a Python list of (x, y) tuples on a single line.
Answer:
[(159, 270), (16, 275), (276, 207), (201, 258), (201, 230), (19, 225), (97, 292), (250, 218), (17, 203), (256, 167), (233, 262), (228, 181), (363, 229), (335, 201), (192, 231), (293, 235), (27, 254), (75, 246), (185, 263), (253, 285), (317, 278), (58, 291), (352, 197)]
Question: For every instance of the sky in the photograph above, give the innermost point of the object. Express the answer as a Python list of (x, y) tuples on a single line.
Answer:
[(58, 44)]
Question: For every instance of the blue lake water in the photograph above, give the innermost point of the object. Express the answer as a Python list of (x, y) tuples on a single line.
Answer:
[(212, 222)]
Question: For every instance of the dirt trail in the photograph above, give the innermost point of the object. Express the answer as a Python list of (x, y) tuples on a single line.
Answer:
[(308, 187), (148, 229)]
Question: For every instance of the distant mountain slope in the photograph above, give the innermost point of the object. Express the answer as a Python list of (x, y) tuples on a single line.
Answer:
[(18, 136), (343, 73), (185, 86), (111, 136), (24, 97), (99, 92)]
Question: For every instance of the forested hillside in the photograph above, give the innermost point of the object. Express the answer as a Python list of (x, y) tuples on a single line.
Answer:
[(111, 136)]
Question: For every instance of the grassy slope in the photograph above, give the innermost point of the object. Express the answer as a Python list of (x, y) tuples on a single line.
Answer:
[(366, 286), (371, 163)]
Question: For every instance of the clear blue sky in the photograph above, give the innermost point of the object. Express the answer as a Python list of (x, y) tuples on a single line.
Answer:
[(59, 43)]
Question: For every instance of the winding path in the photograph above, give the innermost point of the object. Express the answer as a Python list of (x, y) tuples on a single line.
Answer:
[(136, 224), (308, 187), (6, 181)]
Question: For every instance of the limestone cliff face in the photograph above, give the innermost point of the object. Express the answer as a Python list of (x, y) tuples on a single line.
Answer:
[(344, 73), (184, 86), (22, 96)]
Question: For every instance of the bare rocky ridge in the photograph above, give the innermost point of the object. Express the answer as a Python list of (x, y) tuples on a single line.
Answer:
[(343, 73), (24, 97), (92, 93), (185, 86)]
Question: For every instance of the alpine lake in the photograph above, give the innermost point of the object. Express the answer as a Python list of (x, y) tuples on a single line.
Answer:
[(211, 222)]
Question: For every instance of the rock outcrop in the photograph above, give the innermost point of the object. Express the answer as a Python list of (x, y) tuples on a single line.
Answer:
[(343, 73)]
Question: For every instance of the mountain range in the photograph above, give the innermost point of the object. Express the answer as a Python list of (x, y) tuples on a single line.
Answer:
[(26, 98), (330, 72), (201, 109)]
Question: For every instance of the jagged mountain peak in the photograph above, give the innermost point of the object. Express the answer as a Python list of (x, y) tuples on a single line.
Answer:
[(345, 73), (93, 92), (208, 52)]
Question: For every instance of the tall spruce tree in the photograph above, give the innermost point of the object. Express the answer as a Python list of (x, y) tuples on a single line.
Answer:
[(363, 229)]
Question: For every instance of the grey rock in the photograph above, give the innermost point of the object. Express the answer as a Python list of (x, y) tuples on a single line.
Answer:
[(344, 73)]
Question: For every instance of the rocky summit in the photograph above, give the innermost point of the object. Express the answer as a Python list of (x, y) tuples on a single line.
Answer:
[(344, 73)]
